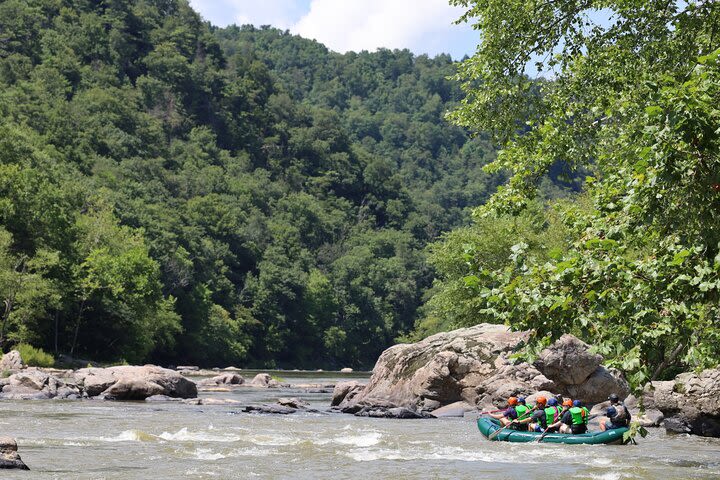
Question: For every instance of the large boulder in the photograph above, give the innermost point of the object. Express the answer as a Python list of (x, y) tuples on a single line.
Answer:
[(599, 385), (11, 361), (473, 365), (439, 370), (9, 457), (568, 361), (690, 402), (344, 392), (135, 382)]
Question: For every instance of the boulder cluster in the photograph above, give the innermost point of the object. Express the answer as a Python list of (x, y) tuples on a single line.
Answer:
[(473, 366), (113, 383)]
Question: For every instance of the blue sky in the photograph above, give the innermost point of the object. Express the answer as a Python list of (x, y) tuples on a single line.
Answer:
[(423, 26)]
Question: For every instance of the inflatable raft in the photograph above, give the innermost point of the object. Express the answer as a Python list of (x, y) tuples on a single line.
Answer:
[(489, 425)]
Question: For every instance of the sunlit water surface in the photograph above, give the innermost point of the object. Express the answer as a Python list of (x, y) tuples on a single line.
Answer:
[(137, 440)]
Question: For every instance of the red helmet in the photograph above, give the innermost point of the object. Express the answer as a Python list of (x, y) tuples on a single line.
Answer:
[(567, 403), (541, 400), (512, 401)]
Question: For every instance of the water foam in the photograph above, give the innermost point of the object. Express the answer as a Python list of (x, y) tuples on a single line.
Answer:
[(183, 435), (207, 454), (366, 440), (128, 436)]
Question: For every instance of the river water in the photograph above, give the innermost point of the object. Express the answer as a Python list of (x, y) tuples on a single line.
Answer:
[(137, 440)]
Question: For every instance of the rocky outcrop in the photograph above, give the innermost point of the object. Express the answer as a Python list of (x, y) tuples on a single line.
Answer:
[(223, 379), (11, 361), (134, 382), (472, 365), (9, 457), (115, 383), (690, 402), (35, 384)]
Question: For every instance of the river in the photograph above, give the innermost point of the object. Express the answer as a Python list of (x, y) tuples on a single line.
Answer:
[(137, 440)]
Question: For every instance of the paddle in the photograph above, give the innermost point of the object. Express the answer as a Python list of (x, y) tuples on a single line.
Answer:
[(545, 432), (497, 432)]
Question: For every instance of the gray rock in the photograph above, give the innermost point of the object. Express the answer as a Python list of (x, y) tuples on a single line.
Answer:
[(344, 392), (456, 409), (135, 382), (269, 409), (597, 386), (294, 402), (189, 368), (9, 457), (439, 370), (568, 361), (346, 370), (261, 380), (471, 365), (224, 379), (651, 418), (11, 361), (32, 379), (162, 398), (690, 402), (218, 401)]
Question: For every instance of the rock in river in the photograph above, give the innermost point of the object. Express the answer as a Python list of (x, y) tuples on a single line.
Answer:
[(135, 382), (9, 457), (471, 365), (690, 402), (11, 361)]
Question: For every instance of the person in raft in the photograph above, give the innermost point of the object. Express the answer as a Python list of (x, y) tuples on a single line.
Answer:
[(509, 416), (617, 413), (538, 421), (523, 410), (576, 418), (562, 422)]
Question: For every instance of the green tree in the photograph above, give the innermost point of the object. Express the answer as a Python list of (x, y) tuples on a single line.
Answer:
[(636, 101)]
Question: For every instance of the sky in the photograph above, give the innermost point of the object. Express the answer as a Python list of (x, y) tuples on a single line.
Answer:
[(422, 26)]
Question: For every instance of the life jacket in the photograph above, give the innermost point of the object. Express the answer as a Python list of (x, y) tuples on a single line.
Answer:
[(551, 414), (522, 411), (579, 415)]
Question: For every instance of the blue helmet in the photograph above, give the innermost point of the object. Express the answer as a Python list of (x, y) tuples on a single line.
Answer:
[(611, 412), (577, 403), (552, 402), (521, 400)]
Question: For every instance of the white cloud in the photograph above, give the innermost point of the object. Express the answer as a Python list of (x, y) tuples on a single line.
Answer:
[(278, 13), (423, 26), (357, 25)]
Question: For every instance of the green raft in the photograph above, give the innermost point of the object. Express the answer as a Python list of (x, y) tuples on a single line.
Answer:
[(489, 425)]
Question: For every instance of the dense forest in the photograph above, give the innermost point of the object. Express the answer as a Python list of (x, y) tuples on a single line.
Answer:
[(175, 192)]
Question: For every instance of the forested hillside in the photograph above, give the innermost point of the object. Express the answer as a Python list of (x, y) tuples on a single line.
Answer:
[(184, 194)]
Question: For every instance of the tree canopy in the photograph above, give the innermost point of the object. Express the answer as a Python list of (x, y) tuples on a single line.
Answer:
[(632, 99)]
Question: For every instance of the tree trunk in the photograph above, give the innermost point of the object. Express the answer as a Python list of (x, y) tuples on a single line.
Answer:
[(6, 315), (77, 328)]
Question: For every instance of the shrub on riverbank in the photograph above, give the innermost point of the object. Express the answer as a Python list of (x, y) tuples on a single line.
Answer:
[(35, 357)]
